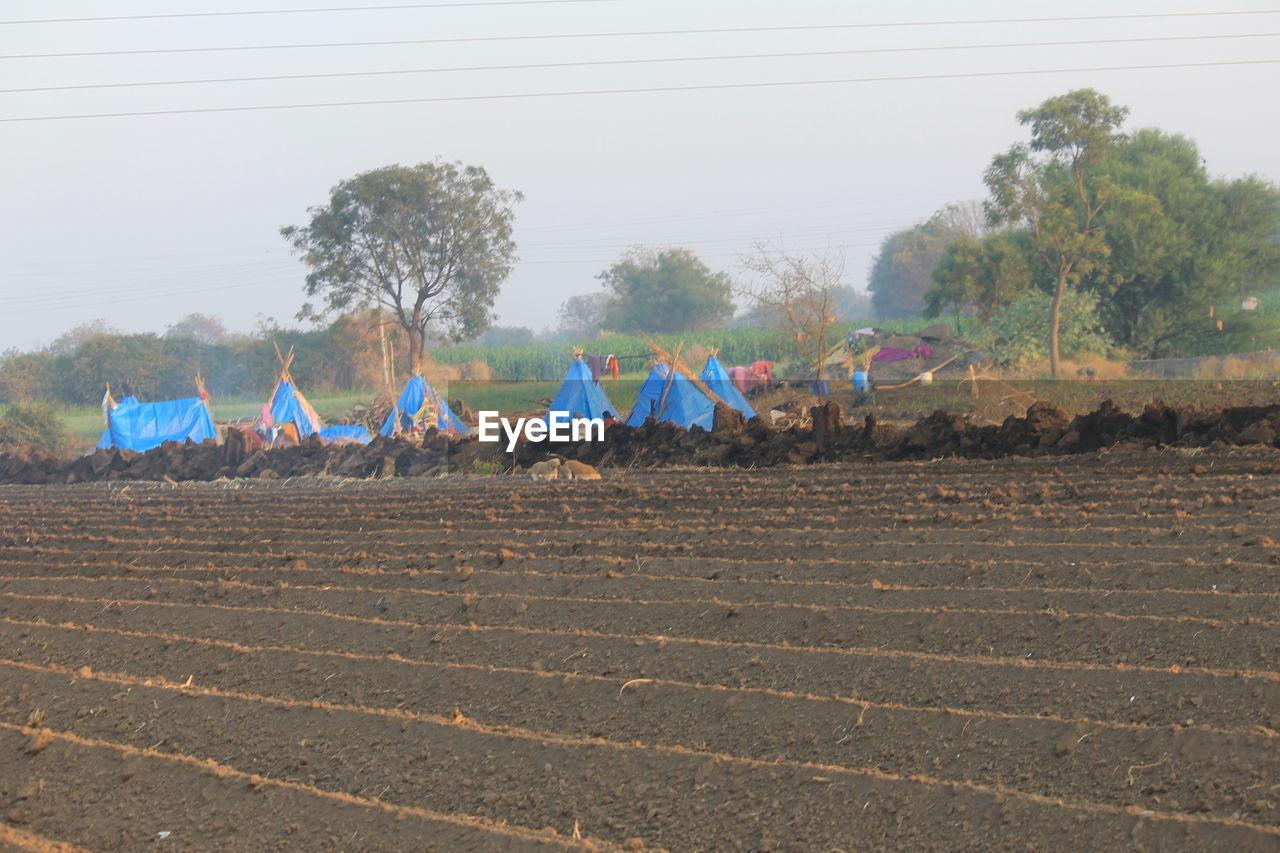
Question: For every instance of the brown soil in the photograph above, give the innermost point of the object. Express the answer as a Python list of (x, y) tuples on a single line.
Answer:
[(1042, 430), (1061, 652)]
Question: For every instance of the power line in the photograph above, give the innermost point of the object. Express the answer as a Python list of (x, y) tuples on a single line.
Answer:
[(646, 90), (112, 300), (634, 34), (615, 62), (160, 283), (173, 15)]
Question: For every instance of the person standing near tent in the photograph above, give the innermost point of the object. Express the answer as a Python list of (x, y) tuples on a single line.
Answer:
[(761, 374)]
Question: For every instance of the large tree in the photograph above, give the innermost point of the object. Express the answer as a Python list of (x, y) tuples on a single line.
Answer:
[(981, 275), (902, 272), (665, 291), (432, 243), (582, 317), (1211, 242), (1053, 187), (205, 328)]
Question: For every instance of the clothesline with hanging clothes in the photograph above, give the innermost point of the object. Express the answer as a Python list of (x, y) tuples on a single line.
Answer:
[(599, 365)]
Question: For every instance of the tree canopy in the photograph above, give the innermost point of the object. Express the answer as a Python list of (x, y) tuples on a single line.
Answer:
[(902, 271), (664, 291), (430, 242), (982, 274), (582, 317), (1133, 219), (1053, 188), (1208, 241)]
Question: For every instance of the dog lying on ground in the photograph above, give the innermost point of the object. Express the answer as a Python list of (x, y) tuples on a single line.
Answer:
[(556, 468), (546, 470), (572, 469)]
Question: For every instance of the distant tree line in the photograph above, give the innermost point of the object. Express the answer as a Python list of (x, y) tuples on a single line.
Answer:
[(1128, 230), (76, 369)]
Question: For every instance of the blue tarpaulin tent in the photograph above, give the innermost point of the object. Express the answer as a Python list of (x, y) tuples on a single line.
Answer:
[(417, 401), (715, 377), (288, 406), (580, 395), (132, 425), (685, 404)]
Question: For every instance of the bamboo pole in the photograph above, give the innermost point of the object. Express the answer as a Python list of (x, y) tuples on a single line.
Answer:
[(204, 399), (684, 371), (284, 368), (917, 376), (671, 377)]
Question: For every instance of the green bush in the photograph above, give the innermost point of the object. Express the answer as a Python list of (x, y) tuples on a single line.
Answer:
[(487, 469), (32, 423), (1020, 330)]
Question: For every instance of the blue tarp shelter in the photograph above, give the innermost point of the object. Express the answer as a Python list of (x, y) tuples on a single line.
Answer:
[(133, 425), (418, 402), (288, 406), (715, 377), (580, 395), (685, 404)]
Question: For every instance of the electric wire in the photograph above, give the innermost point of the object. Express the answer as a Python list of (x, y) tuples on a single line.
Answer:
[(633, 34), (313, 11), (643, 90), (620, 62)]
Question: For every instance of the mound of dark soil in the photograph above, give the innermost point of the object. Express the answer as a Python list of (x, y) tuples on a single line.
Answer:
[(1042, 430)]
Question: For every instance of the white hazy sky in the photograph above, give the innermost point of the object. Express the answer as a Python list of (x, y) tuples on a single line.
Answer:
[(139, 204)]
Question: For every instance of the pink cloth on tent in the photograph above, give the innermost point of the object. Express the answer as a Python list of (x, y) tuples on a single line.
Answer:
[(891, 354), (739, 376)]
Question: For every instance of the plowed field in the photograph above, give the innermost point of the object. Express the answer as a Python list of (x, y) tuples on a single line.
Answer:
[(1077, 653)]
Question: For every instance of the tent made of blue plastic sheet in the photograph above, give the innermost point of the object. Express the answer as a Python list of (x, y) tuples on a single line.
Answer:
[(580, 395), (416, 402), (288, 406), (715, 377), (685, 404), (133, 425)]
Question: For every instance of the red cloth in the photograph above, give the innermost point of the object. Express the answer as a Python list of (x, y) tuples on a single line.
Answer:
[(612, 363)]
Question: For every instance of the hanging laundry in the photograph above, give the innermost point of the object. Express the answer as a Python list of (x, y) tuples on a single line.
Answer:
[(596, 364)]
